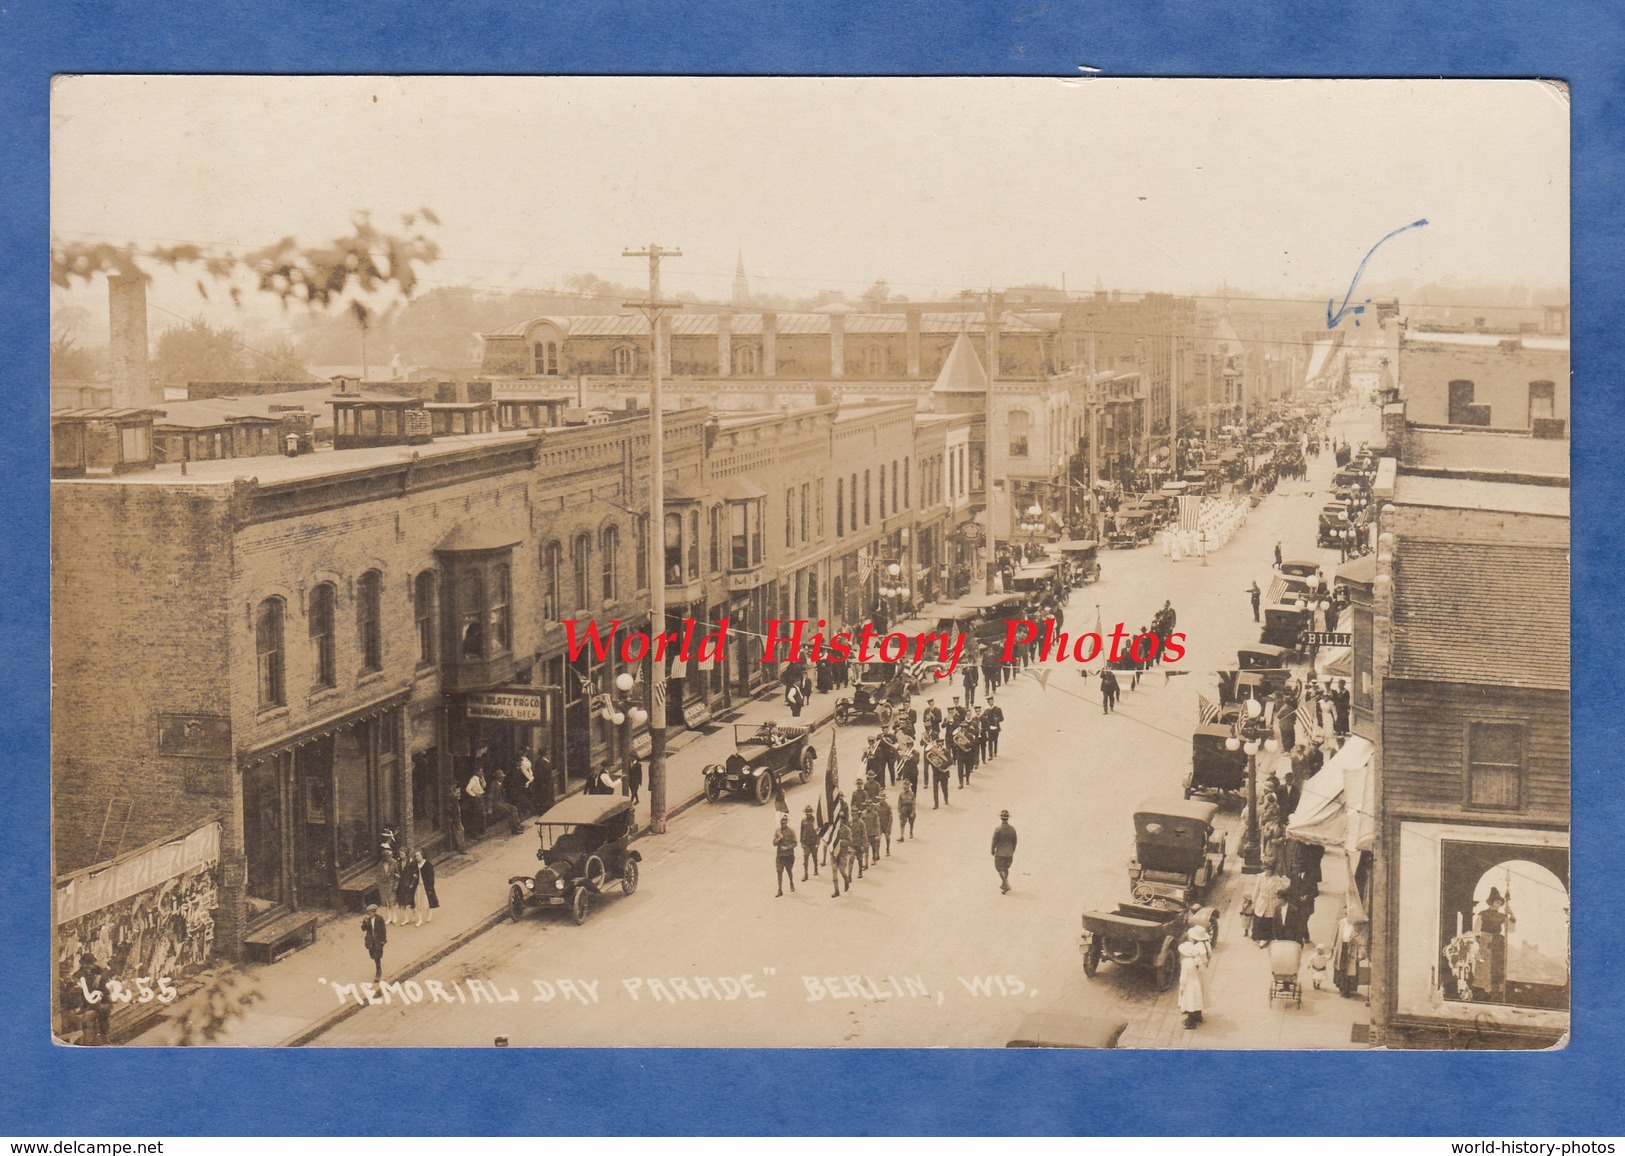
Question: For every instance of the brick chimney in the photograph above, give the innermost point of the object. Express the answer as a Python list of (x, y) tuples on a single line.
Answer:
[(127, 341)]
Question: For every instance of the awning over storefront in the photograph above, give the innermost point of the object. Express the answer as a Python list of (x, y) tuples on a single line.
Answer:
[(1337, 804), (323, 729)]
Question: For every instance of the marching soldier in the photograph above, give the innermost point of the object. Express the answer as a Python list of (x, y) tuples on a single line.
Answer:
[(840, 856), (1004, 849), (871, 823), (905, 812), (883, 816), (885, 767), (809, 840), (860, 832), (992, 723), (932, 720), (939, 759), (784, 862)]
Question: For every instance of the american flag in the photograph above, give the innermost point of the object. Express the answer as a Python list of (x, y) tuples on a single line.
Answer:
[(659, 695), (1306, 725), (866, 567), (1190, 512), (1206, 710)]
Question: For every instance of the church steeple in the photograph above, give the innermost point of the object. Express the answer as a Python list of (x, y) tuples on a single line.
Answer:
[(741, 284)]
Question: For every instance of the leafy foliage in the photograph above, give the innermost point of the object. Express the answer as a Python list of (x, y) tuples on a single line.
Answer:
[(346, 269)]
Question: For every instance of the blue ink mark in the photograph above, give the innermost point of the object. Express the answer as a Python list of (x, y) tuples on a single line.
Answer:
[(1333, 318)]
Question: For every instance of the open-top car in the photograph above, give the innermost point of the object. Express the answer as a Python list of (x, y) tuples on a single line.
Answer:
[(764, 753), (586, 847), (1084, 555)]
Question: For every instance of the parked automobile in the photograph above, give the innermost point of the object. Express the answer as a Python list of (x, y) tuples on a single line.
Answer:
[(586, 847), (764, 753)]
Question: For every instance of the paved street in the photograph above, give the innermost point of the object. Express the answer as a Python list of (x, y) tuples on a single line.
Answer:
[(924, 951)]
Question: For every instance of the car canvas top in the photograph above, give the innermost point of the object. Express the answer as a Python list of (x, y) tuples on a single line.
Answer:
[(585, 809)]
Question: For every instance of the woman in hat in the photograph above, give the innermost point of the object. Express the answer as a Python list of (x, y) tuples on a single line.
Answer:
[(389, 880), (1493, 924), (1195, 953)]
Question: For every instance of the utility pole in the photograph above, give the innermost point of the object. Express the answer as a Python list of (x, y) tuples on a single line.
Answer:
[(654, 308), (1173, 409), (1094, 460), (991, 327)]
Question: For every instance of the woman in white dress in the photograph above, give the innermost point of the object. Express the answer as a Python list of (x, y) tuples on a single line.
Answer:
[(1194, 956)]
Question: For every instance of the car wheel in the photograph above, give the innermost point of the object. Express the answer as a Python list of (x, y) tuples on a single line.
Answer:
[(808, 757), (580, 903), (713, 789), (516, 902), (1091, 959), (764, 787), (629, 877), (1168, 969), (594, 871), (843, 713), (883, 713)]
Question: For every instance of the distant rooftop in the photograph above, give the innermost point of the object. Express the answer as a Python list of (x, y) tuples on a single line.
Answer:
[(1486, 450), (1486, 337), (749, 322), (1472, 494)]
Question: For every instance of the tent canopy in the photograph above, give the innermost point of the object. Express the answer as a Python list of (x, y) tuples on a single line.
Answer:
[(1325, 815)]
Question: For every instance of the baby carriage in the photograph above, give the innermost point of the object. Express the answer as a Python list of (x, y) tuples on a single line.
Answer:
[(1286, 956)]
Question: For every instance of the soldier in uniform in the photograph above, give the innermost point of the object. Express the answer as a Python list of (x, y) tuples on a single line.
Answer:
[(1004, 849), (931, 718), (809, 840), (905, 812), (992, 724), (965, 742), (883, 815), (840, 856), (938, 758), (884, 769), (860, 831), (871, 823), (908, 769), (784, 854)]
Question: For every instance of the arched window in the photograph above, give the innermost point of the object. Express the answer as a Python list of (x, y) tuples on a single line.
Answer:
[(581, 561), (547, 358), (322, 602), (882, 490), (744, 359), (790, 517), (501, 618), (874, 360), (369, 628), (611, 546), (867, 508), (894, 506), (908, 470), (840, 507), (471, 615), (423, 614), (269, 653), (552, 580), (716, 538), (626, 361), (693, 544)]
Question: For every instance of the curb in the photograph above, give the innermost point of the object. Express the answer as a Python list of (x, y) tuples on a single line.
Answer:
[(338, 1015)]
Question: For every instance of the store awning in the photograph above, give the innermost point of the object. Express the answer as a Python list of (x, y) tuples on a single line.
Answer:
[(1337, 804), (742, 489)]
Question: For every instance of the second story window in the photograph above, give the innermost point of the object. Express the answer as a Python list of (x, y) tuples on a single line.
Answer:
[(840, 507), (789, 518), (552, 580), (471, 615), (1494, 765), (369, 610), (581, 561), (1021, 427), (882, 493), (673, 548), (322, 600), (867, 508), (500, 618), (625, 361), (693, 545), (745, 524), (268, 653), (611, 546), (423, 615), (716, 538)]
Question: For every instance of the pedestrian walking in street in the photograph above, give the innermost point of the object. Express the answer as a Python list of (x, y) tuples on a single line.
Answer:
[(809, 841), (1004, 850), (389, 873), (1110, 692), (883, 813), (634, 777), (1257, 596), (969, 679), (992, 724), (905, 812), (426, 877), (784, 855), (373, 936), (939, 759), (1277, 555), (406, 893), (1194, 954), (794, 698)]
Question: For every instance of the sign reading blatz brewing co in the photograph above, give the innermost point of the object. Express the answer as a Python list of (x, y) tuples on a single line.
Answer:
[(523, 706)]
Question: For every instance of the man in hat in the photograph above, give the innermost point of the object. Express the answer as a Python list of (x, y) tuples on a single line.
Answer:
[(840, 856), (992, 724), (499, 804), (809, 842), (784, 855), (1257, 596), (939, 759), (373, 936), (931, 719), (1004, 850), (905, 812), (883, 813)]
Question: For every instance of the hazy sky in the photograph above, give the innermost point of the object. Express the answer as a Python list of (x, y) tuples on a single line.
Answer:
[(934, 184)]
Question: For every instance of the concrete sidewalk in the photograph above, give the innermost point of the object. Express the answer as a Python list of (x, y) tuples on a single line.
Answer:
[(298, 999)]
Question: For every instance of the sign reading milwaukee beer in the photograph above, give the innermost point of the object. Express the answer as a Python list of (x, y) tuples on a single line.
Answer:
[(507, 705)]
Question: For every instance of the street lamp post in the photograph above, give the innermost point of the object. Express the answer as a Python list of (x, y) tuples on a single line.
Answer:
[(1033, 526), (625, 714), (1251, 735), (894, 590)]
